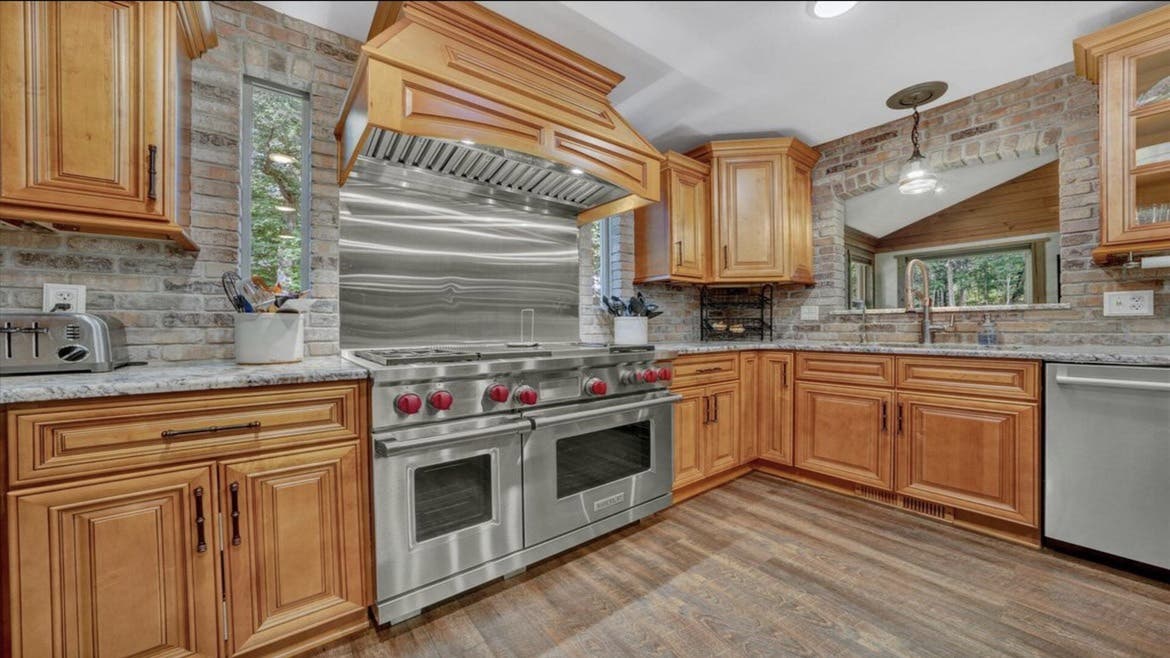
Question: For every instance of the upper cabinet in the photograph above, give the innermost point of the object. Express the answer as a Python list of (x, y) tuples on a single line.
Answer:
[(671, 237), (94, 117), (1131, 63), (756, 226)]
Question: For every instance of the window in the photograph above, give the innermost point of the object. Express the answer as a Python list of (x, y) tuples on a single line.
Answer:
[(274, 242), (1001, 275), (861, 286), (602, 238)]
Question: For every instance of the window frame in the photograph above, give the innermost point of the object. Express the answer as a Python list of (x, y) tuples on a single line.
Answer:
[(1035, 290), (605, 228), (250, 83)]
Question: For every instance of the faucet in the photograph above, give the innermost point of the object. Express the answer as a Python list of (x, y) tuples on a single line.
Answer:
[(926, 332), (860, 303)]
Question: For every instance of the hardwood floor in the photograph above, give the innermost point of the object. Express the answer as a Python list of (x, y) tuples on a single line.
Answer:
[(767, 567)]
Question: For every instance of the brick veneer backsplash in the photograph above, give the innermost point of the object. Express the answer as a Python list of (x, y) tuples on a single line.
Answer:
[(171, 300)]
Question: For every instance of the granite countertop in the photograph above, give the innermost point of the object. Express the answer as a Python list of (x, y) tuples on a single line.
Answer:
[(169, 378), (1119, 355)]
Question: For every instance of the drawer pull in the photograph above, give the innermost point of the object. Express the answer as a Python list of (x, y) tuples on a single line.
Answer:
[(234, 488), (151, 171), (704, 371), (170, 434), (201, 538)]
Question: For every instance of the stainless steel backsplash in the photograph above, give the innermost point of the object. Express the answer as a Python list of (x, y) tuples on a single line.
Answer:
[(427, 260)]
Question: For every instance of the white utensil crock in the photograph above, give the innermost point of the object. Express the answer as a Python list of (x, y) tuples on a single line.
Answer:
[(630, 331), (269, 338)]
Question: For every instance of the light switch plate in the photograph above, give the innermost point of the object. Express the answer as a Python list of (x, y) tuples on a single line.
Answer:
[(63, 293), (810, 312), (1129, 302)]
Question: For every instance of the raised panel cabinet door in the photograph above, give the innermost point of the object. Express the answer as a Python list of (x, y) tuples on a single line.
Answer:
[(690, 424), (83, 105), (116, 567), (689, 218), (293, 536), (775, 407), (750, 236), (722, 440), (749, 417), (978, 455), (845, 432)]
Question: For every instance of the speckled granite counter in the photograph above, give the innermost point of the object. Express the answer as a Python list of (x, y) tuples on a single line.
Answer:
[(168, 378), (1137, 356)]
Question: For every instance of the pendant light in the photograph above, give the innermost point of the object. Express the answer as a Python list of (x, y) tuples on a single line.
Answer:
[(916, 176)]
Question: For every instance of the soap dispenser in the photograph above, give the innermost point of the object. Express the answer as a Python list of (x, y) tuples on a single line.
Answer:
[(988, 332)]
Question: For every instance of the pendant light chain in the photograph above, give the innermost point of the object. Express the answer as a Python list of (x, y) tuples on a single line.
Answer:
[(914, 134)]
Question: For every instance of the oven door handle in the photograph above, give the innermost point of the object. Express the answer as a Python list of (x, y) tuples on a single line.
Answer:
[(385, 447), (574, 416)]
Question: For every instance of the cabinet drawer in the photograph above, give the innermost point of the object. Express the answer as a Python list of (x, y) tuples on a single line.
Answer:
[(843, 368), (1017, 380), (705, 369), (70, 439)]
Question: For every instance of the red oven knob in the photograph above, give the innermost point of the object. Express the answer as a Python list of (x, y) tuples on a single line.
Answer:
[(594, 386), (649, 376), (664, 374), (440, 400), (631, 377), (498, 393), (526, 395), (408, 403)]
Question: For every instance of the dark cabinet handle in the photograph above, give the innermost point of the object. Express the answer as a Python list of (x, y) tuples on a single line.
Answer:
[(170, 434), (201, 537), (715, 403), (678, 251), (884, 416), (783, 375), (724, 255), (234, 488), (706, 409), (899, 419), (152, 157), (704, 371)]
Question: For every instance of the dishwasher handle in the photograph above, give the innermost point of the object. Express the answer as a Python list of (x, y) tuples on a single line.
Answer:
[(1069, 380)]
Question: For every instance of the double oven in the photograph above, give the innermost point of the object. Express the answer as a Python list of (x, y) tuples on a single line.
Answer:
[(463, 502)]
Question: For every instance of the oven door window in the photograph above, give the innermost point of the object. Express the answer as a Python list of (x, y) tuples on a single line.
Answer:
[(590, 460), (451, 496)]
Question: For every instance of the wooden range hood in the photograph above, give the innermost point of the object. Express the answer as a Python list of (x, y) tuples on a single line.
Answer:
[(457, 71)]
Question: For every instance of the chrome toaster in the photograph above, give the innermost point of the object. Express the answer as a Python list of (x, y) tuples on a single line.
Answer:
[(60, 342)]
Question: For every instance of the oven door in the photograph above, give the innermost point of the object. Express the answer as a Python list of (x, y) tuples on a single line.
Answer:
[(446, 499), (585, 462)]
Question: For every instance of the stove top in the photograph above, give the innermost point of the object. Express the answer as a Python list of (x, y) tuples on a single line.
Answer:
[(398, 356)]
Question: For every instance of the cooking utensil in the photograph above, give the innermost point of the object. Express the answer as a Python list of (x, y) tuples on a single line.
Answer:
[(637, 306), (653, 314), (620, 305), (232, 284)]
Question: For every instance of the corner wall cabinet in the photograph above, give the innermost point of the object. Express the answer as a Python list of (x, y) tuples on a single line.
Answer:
[(94, 114), (956, 439), (134, 529), (1131, 63), (671, 237)]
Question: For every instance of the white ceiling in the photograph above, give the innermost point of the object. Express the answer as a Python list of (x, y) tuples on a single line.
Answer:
[(697, 70)]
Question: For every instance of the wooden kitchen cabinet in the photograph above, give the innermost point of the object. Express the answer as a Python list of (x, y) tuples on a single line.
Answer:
[(1131, 63), (979, 455), (707, 438), (690, 425), (116, 566), (722, 428), (761, 209), (294, 536), (749, 406), (845, 432), (94, 116), (774, 422), (671, 237)]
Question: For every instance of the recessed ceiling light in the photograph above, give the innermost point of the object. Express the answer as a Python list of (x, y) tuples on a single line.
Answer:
[(281, 158), (829, 9), (285, 208), (576, 172)]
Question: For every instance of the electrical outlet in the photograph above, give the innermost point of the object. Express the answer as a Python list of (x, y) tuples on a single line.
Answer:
[(810, 313), (63, 293), (1129, 302)]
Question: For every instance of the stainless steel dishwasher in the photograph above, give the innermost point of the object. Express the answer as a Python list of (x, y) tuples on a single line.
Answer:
[(1107, 460)]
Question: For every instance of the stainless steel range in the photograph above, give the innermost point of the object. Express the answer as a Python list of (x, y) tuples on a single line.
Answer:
[(488, 458)]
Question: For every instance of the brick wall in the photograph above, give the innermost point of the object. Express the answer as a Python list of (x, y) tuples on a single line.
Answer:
[(171, 300)]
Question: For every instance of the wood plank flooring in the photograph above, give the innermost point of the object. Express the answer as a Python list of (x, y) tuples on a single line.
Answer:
[(766, 567)]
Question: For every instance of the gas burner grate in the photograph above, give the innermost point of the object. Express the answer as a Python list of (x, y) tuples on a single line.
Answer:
[(394, 357)]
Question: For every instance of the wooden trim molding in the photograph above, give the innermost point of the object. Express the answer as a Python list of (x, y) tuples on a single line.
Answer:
[(198, 27), (385, 14), (1088, 50)]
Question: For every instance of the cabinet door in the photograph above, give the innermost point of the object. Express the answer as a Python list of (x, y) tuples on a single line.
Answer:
[(723, 429), (979, 455), (81, 135), (116, 567), (749, 418), (844, 432), (294, 553), (690, 421), (775, 407), (689, 217), (750, 237)]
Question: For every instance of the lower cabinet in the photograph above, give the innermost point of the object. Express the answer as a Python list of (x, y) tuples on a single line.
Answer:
[(981, 455), (123, 566), (293, 545), (706, 432), (844, 431), (750, 398), (774, 422)]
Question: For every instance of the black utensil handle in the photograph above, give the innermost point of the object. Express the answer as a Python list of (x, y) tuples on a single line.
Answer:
[(234, 488), (200, 535), (170, 434), (152, 172)]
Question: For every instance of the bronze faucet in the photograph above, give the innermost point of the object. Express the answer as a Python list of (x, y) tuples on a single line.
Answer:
[(927, 329)]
